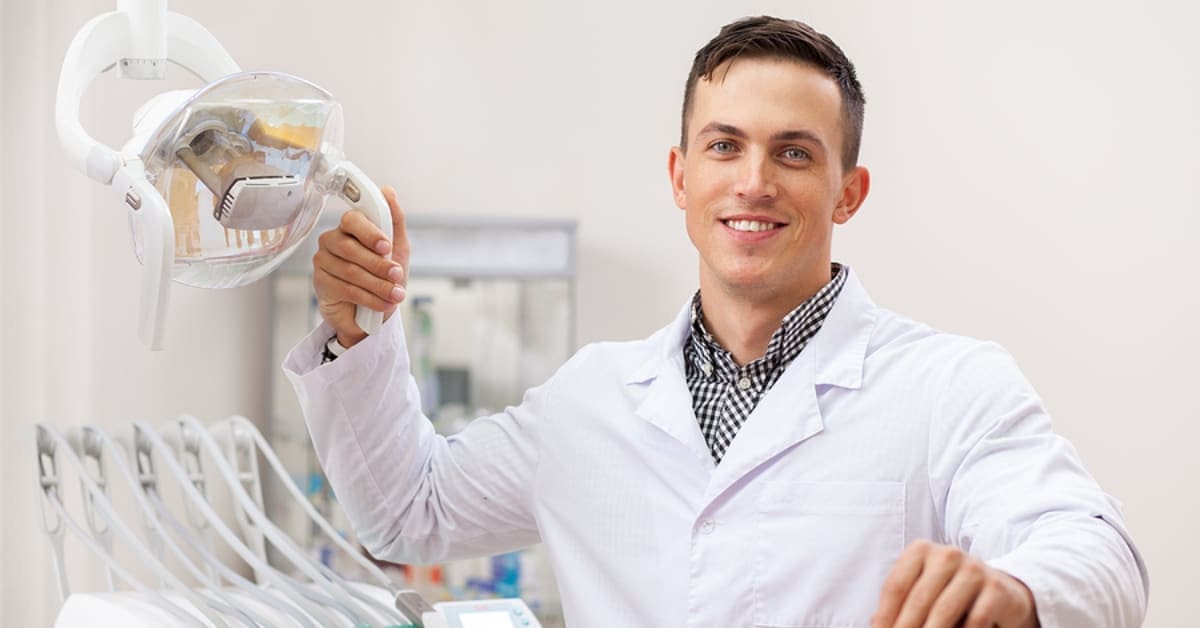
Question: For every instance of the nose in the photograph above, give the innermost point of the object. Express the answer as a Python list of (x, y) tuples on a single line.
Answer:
[(756, 180)]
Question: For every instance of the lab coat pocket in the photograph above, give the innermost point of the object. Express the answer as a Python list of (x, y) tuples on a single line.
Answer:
[(823, 551)]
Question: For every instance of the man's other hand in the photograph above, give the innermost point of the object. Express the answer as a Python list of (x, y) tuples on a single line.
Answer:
[(932, 586)]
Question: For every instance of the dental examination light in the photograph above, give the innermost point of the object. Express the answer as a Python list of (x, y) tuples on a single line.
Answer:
[(220, 184)]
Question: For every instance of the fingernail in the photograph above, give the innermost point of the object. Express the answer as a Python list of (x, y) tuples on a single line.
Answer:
[(397, 293), (396, 274), (382, 247)]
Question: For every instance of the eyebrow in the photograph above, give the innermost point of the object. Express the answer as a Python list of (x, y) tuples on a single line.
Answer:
[(789, 135)]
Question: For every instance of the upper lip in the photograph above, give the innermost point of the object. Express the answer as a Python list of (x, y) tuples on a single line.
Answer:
[(754, 218)]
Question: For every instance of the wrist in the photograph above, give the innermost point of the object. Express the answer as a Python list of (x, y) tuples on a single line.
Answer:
[(1030, 602), (347, 340)]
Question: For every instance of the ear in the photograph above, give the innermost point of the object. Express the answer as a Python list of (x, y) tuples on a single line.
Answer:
[(855, 186), (675, 170)]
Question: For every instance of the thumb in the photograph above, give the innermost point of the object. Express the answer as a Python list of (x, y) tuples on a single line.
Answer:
[(399, 234)]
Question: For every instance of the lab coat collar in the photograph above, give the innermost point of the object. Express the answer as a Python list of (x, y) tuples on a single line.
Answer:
[(787, 414), (840, 347)]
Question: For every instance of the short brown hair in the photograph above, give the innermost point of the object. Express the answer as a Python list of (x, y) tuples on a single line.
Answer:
[(772, 37)]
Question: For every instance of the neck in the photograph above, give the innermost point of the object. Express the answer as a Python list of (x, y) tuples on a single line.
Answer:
[(743, 322)]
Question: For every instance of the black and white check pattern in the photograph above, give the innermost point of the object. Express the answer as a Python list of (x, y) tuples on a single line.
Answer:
[(723, 394)]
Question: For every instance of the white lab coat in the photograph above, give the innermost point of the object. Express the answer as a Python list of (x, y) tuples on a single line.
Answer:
[(881, 432)]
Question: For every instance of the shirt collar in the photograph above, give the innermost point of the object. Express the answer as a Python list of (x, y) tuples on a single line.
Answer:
[(707, 355)]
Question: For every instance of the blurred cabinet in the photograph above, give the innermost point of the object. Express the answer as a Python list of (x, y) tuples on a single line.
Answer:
[(489, 313)]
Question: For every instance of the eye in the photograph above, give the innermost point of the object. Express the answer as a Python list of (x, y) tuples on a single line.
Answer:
[(722, 146), (795, 154)]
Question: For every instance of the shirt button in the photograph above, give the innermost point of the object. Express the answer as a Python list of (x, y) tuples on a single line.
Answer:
[(707, 526), (744, 383), (707, 368)]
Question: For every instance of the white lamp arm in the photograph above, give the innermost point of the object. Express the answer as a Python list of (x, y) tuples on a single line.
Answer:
[(193, 48), (112, 38), (96, 47)]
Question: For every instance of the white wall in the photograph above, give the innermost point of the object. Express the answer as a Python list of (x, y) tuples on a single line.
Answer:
[(3, 515), (1034, 183)]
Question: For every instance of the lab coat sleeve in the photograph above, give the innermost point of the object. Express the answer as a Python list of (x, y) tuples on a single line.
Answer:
[(412, 495), (1016, 495)]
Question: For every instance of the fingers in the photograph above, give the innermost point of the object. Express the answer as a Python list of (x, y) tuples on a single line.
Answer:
[(345, 246), (332, 289), (940, 565), (958, 596), (387, 291), (346, 272), (898, 583), (356, 224), (1003, 601), (987, 608), (940, 586), (357, 264)]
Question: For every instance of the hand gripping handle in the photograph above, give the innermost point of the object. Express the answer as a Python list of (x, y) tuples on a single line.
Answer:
[(364, 195)]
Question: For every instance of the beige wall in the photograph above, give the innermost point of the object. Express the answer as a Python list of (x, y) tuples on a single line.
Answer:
[(1034, 183), (3, 380)]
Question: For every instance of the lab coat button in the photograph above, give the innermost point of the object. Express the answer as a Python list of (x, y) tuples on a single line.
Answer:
[(744, 383), (707, 526)]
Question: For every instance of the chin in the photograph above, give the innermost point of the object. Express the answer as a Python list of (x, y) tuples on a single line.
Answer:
[(746, 283)]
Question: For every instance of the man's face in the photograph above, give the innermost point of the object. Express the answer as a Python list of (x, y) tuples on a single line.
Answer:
[(762, 182)]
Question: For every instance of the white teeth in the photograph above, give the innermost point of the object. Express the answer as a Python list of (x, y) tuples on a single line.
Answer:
[(750, 225)]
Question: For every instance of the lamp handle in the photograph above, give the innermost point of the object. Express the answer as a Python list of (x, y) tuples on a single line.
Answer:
[(364, 195), (152, 220)]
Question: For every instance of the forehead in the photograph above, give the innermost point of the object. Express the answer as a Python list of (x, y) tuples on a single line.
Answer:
[(768, 95)]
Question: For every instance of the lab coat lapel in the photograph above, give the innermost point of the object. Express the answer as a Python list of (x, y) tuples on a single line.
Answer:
[(786, 416), (789, 413), (667, 403)]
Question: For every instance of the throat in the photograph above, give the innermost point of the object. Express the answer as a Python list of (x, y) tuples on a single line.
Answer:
[(742, 328)]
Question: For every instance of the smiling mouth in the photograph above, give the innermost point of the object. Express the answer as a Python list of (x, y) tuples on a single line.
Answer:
[(751, 226)]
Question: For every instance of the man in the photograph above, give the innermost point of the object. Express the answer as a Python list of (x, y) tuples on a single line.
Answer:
[(785, 453)]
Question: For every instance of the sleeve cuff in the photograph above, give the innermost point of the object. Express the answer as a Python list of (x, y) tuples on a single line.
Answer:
[(306, 356)]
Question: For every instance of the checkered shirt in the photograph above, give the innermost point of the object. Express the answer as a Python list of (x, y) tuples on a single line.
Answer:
[(724, 394)]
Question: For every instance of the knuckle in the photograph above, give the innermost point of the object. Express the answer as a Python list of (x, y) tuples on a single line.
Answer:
[(974, 569), (993, 587), (331, 242), (947, 556)]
